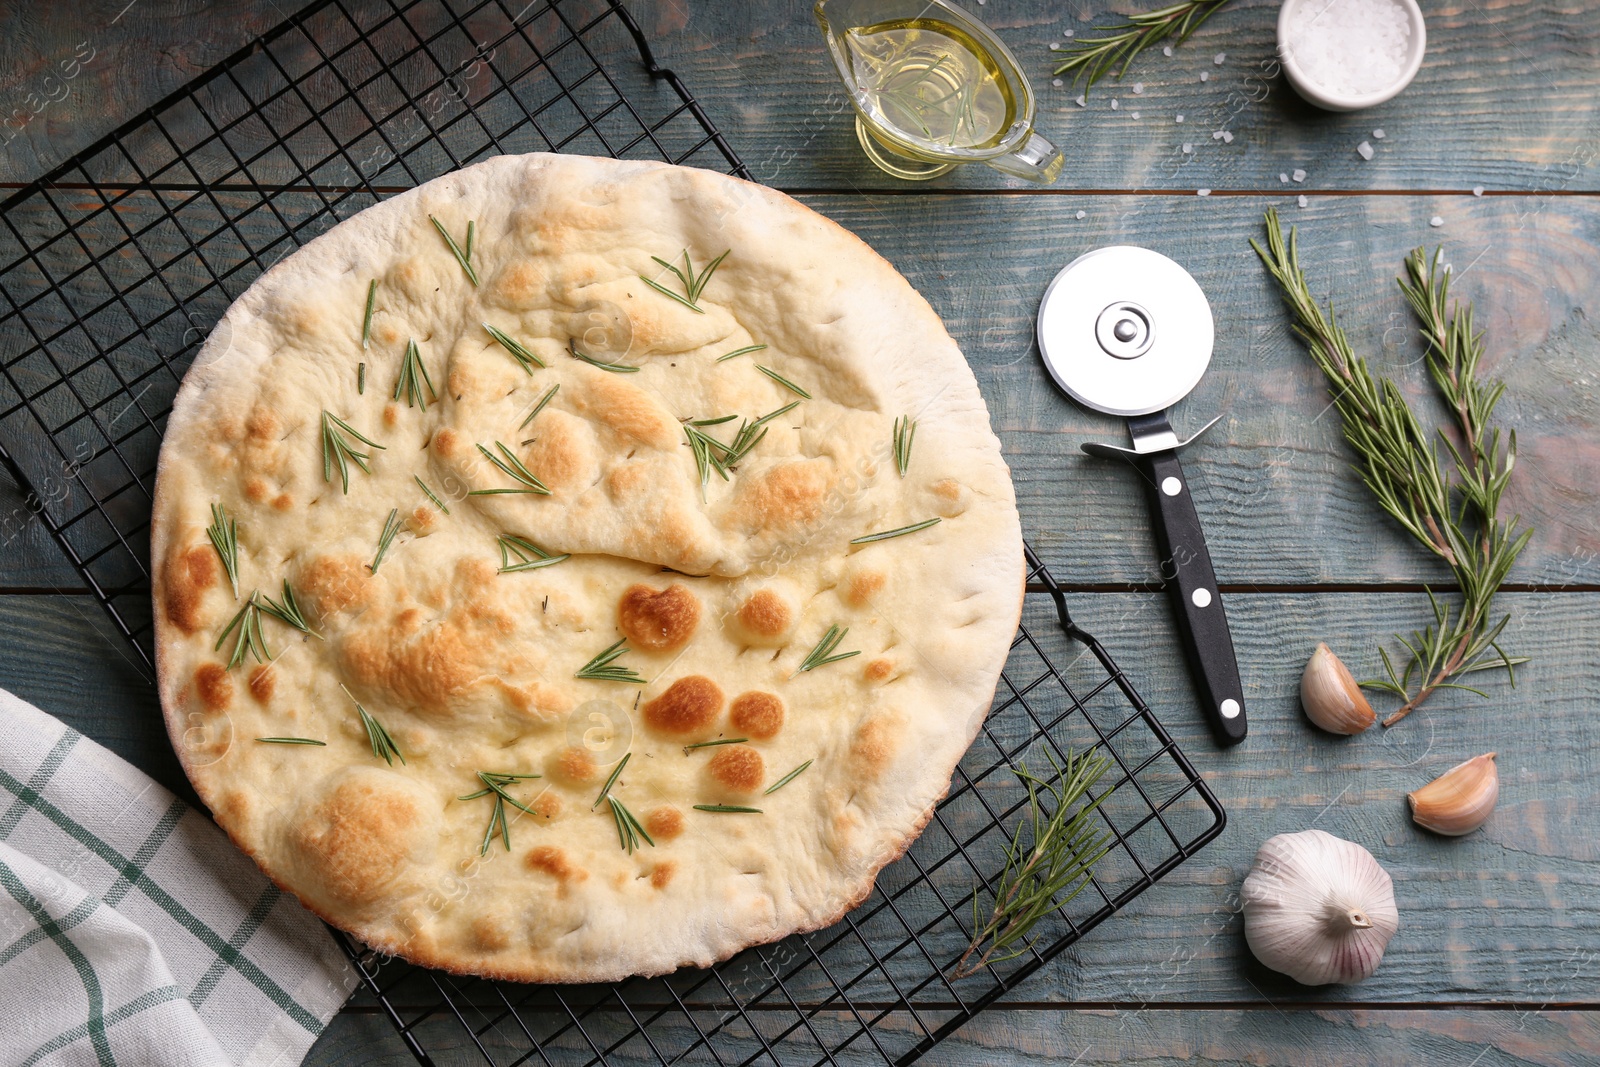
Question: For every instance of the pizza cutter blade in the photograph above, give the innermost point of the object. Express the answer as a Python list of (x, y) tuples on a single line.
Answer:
[(1127, 331)]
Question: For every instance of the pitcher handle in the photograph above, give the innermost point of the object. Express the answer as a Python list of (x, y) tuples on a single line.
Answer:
[(1037, 160)]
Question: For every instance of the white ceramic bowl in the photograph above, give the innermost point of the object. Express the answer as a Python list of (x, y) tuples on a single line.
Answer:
[(1333, 101)]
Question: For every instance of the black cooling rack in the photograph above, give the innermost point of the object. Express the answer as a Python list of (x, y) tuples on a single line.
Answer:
[(117, 264)]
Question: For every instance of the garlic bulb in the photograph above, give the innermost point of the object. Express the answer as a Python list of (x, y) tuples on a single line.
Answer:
[(1331, 697), (1459, 800), (1318, 908)]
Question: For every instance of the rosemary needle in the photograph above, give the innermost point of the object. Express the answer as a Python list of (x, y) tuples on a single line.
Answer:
[(391, 527), (287, 611), (1089, 58), (292, 741), (413, 376), (224, 534), (436, 501), (693, 284), (543, 400), (523, 356), (614, 368), (781, 380), (822, 655), (336, 449), (612, 780), (604, 668), (508, 462), (529, 556), (713, 744), (361, 379), (382, 744), (886, 534), (740, 352), (729, 809), (786, 779), (366, 320), (629, 830), (905, 431), (463, 258), (495, 784), (251, 637)]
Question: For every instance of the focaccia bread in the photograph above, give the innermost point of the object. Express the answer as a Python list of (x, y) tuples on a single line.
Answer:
[(466, 597)]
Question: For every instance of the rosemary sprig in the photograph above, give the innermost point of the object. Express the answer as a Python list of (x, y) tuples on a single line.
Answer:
[(614, 368), (292, 741), (251, 636), (1453, 513), (708, 451), (629, 831), (750, 434), (604, 668), (781, 380), (337, 449), (224, 534), (728, 809), (436, 501), (391, 527), (413, 376), (616, 773), (786, 779), (713, 744), (822, 655), (529, 556), (463, 258), (693, 284), (1089, 58), (902, 531), (905, 432), (495, 784), (526, 359), (1045, 870), (366, 320), (288, 610), (383, 745), (513, 467), (746, 350), (543, 400)]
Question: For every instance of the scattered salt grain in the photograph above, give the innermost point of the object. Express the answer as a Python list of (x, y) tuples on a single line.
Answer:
[(1299, 175), (1227, 138), (1216, 135), (1135, 114), (1219, 57), (1205, 75), (1081, 214), (1378, 135), (1138, 88), (1114, 103), (1067, 33), (1180, 118), (1056, 47), (1303, 201), (1167, 51), (1202, 192), (1057, 83), (1284, 178), (1436, 222), (1353, 47), (1082, 101), (1188, 148), (1477, 190), (1364, 149)]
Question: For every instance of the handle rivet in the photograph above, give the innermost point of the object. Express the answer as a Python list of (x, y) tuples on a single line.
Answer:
[(1171, 486), (1201, 598), (1230, 708)]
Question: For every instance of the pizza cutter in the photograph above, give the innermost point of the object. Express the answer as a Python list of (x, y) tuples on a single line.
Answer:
[(1127, 331)]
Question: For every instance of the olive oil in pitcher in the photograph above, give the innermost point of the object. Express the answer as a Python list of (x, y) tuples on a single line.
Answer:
[(931, 82)]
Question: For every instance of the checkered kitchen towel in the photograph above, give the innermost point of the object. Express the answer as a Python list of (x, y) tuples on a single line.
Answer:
[(131, 931)]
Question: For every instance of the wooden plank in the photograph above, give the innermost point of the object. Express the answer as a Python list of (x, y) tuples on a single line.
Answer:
[(1504, 100), (1273, 483), (1226, 1037), (1502, 915)]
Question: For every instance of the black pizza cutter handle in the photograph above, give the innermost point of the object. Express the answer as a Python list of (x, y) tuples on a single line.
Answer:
[(1186, 568)]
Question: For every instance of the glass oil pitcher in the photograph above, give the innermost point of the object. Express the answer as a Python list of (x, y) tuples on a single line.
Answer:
[(934, 88)]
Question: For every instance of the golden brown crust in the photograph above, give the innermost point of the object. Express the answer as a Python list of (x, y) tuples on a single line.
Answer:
[(658, 619), (737, 768), (689, 706), (756, 715)]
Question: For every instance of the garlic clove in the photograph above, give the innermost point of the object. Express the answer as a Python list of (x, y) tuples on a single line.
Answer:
[(1459, 800), (1331, 697), (1318, 908)]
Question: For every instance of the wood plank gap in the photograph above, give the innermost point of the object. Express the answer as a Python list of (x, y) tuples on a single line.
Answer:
[(1078, 1005)]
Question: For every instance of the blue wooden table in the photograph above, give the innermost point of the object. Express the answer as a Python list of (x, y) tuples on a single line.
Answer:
[(1498, 956)]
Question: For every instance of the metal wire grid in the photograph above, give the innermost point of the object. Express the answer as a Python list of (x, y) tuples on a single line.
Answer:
[(875, 987), (118, 263)]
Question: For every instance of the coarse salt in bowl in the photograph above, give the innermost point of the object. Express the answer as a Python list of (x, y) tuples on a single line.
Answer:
[(1344, 55)]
